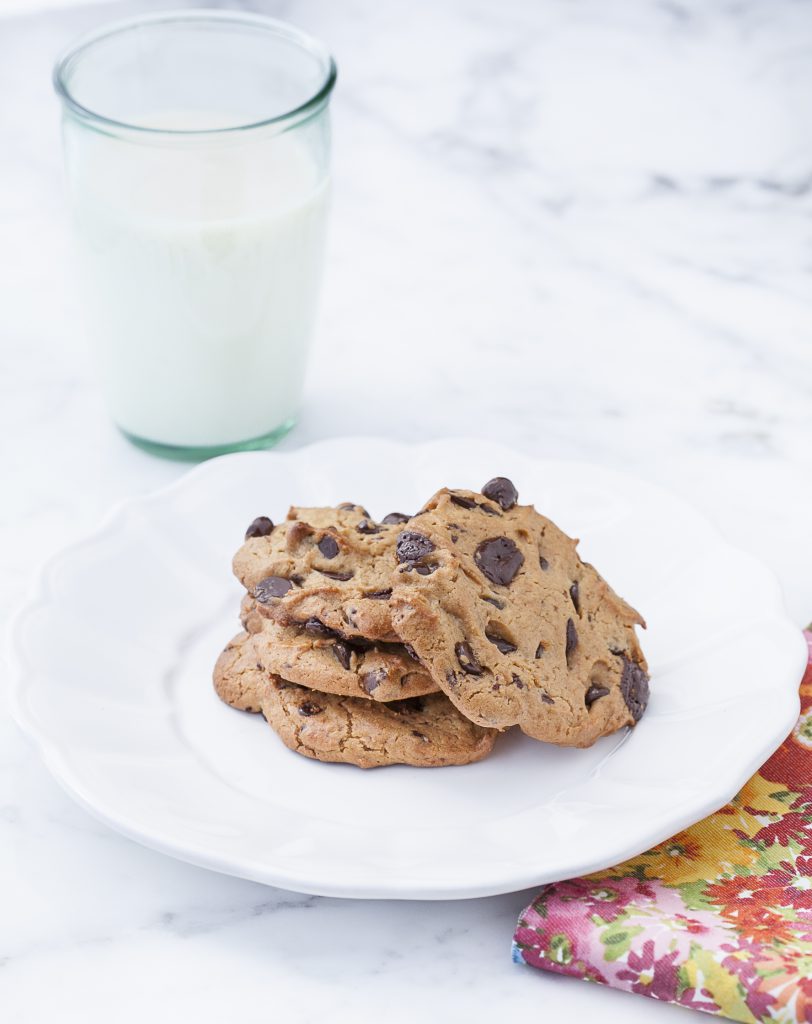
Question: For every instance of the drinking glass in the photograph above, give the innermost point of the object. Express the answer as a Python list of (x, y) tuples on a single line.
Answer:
[(197, 146)]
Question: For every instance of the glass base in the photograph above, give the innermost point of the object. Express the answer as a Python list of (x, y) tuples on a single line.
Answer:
[(180, 453)]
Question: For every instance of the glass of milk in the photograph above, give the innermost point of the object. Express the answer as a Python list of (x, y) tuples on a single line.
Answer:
[(197, 146)]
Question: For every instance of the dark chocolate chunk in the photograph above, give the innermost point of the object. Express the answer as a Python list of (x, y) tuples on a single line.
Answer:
[(545, 565), (260, 527), (411, 652), (368, 526), (546, 698), (342, 577), (451, 679), (269, 588), (499, 642), (517, 682), (489, 509), (411, 545), (420, 736), (467, 659), (379, 595), (594, 693), (315, 627), (372, 680), (576, 597), (634, 687), (458, 499), (495, 602), (499, 559), (572, 639), (426, 570), (502, 491), (309, 708), (347, 506), (343, 653), (296, 578), (393, 518), (328, 546), (539, 650)]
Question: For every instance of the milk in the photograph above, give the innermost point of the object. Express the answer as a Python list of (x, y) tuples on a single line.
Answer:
[(201, 262)]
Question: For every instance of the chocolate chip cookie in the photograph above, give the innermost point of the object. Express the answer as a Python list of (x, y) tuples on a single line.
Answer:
[(238, 675), (513, 626), (313, 656), (427, 732), (332, 564)]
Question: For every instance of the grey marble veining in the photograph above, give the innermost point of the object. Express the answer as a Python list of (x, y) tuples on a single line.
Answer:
[(580, 228)]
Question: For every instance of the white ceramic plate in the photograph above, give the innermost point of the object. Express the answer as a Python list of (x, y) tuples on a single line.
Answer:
[(113, 663)]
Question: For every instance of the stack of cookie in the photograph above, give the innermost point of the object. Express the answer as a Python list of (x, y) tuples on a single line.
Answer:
[(418, 639)]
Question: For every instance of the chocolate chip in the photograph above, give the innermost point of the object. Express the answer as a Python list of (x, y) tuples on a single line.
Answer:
[(379, 595), (411, 652), (572, 640), (635, 689), (269, 588), (315, 627), (539, 650), (454, 538), (393, 518), (499, 642), (420, 736), (576, 597), (328, 546), (546, 698), (496, 687), (502, 491), (495, 602), (467, 659), (517, 682), (260, 527), (499, 559), (368, 526), (411, 545), (308, 709), (489, 509), (426, 570), (451, 679), (343, 653), (372, 680), (347, 506), (297, 579), (545, 565), (594, 693), (458, 499), (342, 577)]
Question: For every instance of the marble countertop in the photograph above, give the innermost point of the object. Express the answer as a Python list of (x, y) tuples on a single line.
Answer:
[(578, 228)]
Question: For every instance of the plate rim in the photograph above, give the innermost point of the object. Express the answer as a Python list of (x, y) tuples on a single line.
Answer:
[(57, 764)]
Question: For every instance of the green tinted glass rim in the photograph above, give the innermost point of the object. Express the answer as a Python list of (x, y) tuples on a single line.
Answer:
[(280, 29)]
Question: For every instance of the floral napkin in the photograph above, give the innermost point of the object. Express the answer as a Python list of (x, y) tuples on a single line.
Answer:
[(719, 918)]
